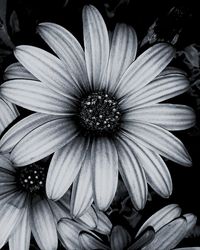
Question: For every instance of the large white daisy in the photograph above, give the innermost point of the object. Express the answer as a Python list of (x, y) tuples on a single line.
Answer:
[(99, 110)]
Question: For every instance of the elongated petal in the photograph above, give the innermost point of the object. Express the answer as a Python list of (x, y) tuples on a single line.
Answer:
[(191, 220), (168, 236), (43, 141), (156, 171), (68, 49), (120, 238), (64, 168), (160, 89), (89, 219), (145, 68), (17, 71), (169, 116), (47, 68), (132, 174), (8, 113), (104, 160), (82, 192), (158, 140), (104, 225), (68, 231), (43, 225), (35, 96), (187, 248), (122, 53), (91, 242), (10, 216), (96, 43), (22, 128), (6, 163), (20, 238), (161, 218)]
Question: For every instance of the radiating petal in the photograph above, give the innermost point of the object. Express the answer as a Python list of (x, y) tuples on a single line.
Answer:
[(187, 248), (144, 69), (96, 43), (59, 211), (90, 241), (122, 53), (158, 140), (68, 231), (191, 220), (158, 90), (89, 219), (43, 141), (22, 128), (132, 174), (6, 163), (120, 238), (68, 49), (7, 177), (168, 236), (82, 192), (64, 167), (8, 113), (17, 71), (35, 96), (161, 218), (47, 68), (156, 171), (104, 225), (10, 216), (43, 225), (169, 116), (20, 238), (104, 160)]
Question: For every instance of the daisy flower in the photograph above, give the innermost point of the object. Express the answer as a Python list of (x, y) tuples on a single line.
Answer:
[(163, 230), (99, 112)]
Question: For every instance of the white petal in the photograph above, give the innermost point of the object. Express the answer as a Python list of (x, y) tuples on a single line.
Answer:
[(64, 167), (156, 171), (82, 192), (8, 113), (43, 141), (104, 225), (90, 241), (43, 225), (160, 89), (35, 96), (68, 233), (169, 116), (47, 68), (158, 140), (17, 71), (187, 248), (145, 68), (104, 161), (6, 163), (132, 174), (89, 219), (161, 218), (96, 43), (68, 49), (20, 238), (10, 216), (122, 53), (191, 220), (168, 236)]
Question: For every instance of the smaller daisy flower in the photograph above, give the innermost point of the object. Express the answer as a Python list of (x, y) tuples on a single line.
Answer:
[(162, 231), (24, 208)]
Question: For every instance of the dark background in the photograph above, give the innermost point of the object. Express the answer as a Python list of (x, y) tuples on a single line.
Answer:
[(19, 19)]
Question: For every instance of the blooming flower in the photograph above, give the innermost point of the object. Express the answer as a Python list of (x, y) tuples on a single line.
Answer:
[(163, 230), (99, 110), (24, 208)]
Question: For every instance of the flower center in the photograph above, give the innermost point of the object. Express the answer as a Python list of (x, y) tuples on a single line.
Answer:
[(100, 113), (32, 178)]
